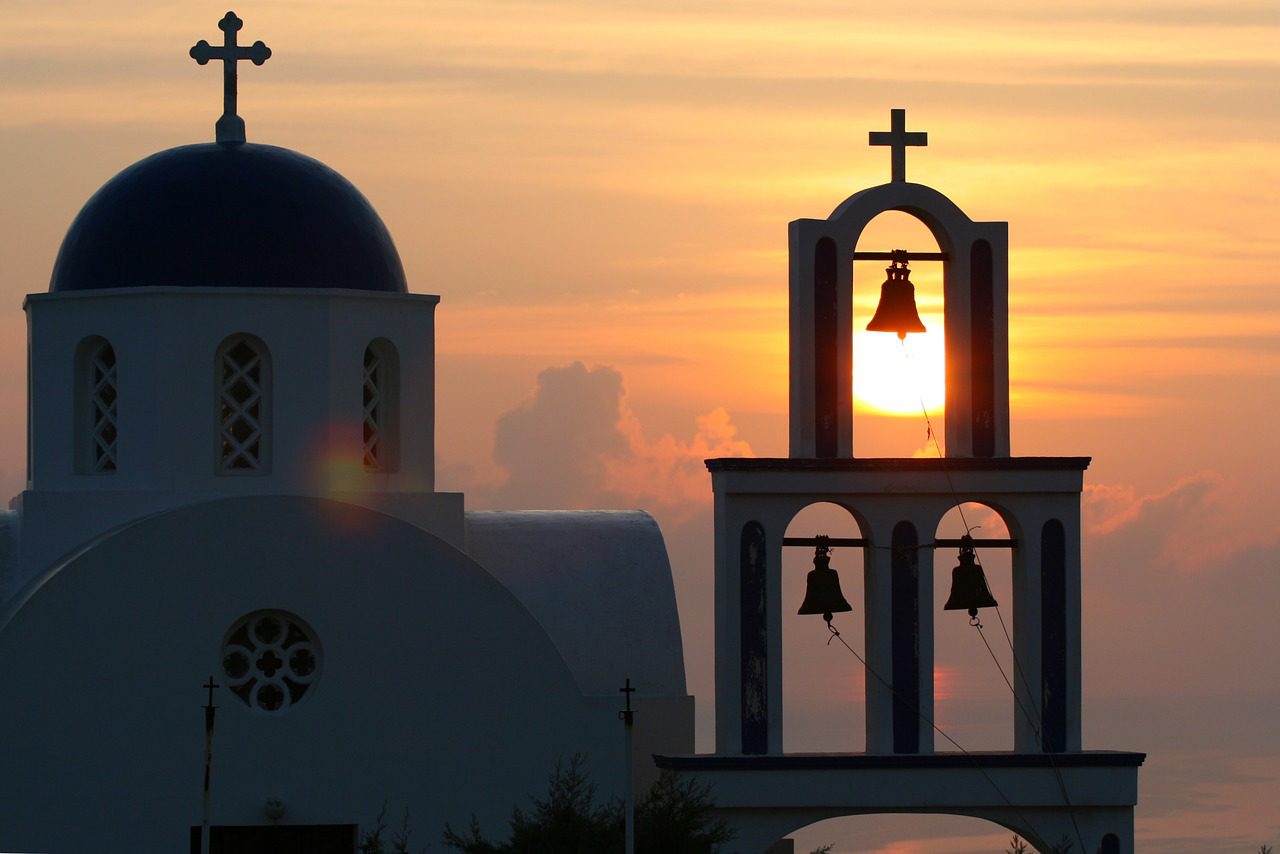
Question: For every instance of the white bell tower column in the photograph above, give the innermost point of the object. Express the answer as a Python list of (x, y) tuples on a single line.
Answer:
[(1049, 786)]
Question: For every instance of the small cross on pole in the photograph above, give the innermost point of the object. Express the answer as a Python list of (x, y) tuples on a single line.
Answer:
[(230, 127), (210, 685), (628, 718), (628, 714), (209, 710), (898, 139)]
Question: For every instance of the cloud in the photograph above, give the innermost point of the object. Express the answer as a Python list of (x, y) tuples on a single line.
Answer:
[(575, 444), (1108, 508), (553, 446), (1194, 525), (1179, 588), (671, 471)]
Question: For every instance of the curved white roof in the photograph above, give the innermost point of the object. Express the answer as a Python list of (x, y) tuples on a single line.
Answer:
[(599, 582)]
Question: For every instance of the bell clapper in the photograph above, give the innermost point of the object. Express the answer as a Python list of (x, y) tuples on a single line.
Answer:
[(835, 633)]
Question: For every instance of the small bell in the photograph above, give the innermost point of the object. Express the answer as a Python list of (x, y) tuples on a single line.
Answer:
[(969, 589), (897, 309), (822, 588)]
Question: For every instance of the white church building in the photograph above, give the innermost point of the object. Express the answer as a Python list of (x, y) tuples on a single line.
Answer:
[(231, 511), (230, 476)]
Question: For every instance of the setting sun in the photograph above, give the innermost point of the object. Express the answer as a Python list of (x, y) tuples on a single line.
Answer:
[(895, 377)]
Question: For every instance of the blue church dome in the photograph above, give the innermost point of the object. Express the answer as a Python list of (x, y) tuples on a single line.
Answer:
[(217, 215)]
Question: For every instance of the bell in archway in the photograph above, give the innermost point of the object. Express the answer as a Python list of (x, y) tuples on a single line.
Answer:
[(897, 309), (969, 590), (822, 588)]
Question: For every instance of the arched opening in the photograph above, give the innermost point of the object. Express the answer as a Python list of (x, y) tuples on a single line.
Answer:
[(822, 683), (915, 832), (1053, 635), (972, 699), (753, 602), (826, 362), (895, 382), (983, 349), (96, 407)]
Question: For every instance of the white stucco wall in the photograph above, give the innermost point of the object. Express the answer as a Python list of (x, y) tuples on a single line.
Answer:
[(439, 691), (165, 341)]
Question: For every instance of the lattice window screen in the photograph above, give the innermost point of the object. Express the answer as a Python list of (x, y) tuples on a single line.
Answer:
[(103, 432), (375, 376), (243, 385)]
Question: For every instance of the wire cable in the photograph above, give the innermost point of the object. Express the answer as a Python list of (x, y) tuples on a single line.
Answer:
[(1037, 725), (973, 760)]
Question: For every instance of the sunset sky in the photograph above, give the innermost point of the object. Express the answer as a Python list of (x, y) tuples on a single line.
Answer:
[(600, 191)]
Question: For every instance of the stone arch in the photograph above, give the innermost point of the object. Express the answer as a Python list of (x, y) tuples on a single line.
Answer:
[(1044, 829), (977, 393), (842, 511)]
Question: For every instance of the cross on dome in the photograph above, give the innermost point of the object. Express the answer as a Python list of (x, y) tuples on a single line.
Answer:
[(897, 138), (230, 127)]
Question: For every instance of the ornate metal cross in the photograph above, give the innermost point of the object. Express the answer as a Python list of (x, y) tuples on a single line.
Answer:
[(898, 139), (230, 127)]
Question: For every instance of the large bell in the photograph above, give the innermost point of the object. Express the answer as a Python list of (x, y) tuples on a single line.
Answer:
[(969, 590), (822, 588), (897, 309)]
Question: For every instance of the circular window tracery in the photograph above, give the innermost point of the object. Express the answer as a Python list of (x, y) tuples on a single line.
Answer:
[(270, 659)]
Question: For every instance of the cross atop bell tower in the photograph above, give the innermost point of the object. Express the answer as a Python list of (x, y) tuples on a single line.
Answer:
[(230, 127), (897, 138)]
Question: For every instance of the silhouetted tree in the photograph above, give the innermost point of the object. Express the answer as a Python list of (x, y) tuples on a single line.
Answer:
[(674, 817), (371, 842)]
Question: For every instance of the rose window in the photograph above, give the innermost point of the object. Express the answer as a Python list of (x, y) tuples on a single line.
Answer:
[(270, 659)]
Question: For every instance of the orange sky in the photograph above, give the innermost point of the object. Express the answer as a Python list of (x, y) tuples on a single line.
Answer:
[(610, 183)]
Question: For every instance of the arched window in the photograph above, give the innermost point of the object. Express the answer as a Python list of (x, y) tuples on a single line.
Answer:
[(97, 431), (1053, 635), (381, 406), (243, 373)]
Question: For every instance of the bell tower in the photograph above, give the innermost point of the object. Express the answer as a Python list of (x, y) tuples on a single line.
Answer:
[(1049, 788), (975, 284)]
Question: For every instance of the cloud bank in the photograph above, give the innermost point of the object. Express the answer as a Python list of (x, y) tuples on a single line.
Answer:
[(576, 444)]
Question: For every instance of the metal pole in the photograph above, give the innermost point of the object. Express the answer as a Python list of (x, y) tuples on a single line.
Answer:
[(209, 710), (628, 717)]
